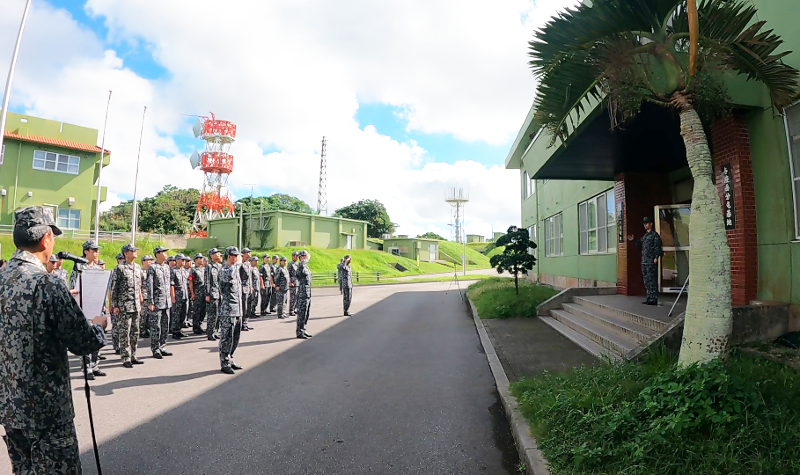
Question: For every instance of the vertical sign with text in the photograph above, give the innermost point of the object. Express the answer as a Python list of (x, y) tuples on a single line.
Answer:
[(728, 206)]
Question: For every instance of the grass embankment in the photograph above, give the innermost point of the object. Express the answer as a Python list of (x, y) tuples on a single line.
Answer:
[(495, 251), (740, 417), (449, 278), (452, 251), (495, 297)]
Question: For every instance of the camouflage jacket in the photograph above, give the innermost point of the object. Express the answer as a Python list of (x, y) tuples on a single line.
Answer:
[(304, 279), (265, 270), (158, 283), (126, 288), (281, 279), (245, 276), (346, 276), (179, 280), (651, 247), (230, 290), (212, 280), (61, 274), (39, 322), (292, 266), (198, 278), (273, 269), (255, 278), (144, 286)]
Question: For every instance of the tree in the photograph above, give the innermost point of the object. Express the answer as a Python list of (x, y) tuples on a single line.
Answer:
[(670, 53), (516, 257), (170, 211), (371, 211), (431, 235), (277, 201)]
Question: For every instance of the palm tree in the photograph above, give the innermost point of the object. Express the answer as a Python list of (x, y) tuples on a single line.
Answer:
[(672, 53)]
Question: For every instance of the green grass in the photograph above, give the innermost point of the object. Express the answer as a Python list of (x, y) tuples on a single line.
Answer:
[(495, 251), (461, 278), (454, 250), (495, 297), (739, 417)]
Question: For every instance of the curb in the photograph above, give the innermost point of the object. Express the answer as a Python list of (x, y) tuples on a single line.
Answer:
[(529, 453)]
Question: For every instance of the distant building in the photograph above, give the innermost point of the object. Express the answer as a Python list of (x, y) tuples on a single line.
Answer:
[(418, 249), (475, 238), (51, 164), (497, 235)]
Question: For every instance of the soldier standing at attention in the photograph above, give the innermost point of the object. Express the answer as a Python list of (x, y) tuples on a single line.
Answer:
[(197, 289), (50, 267), (293, 285), (255, 279), (651, 251), (39, 322), (339, 274), (57, 270), (274, 270), (179, 295), (347, 285), (303, 295), (266, 292), (212, 293), (187, 270), (159, 302), (230, 309), (91, 252), (245, 278), (144, 317), (126, 304), (281, 286)]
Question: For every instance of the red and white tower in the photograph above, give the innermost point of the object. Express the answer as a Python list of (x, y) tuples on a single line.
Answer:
[(216, 163)]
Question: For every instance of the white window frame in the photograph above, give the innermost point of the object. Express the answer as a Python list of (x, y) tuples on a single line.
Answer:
[(69, 219), (56, 162), (602, 224), (554, 236), (525, 182), (532, 237), (2, 153), (793, 144)]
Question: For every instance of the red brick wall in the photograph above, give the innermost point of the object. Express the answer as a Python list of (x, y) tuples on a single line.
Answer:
[(731, 144)]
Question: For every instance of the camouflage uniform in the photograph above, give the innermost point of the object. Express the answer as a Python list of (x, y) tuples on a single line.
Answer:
[(303, 297), (212, 291), (230, 312), (40, 321), (265, 270), (281, 286), (74, 278), (157, 294), (347, 286), (252, 303), (339, 275), (179, 282), (198, 278), (61, 274), (144, 315), (292, 267), (245, 277), (273, 299), (651, 249), (126, 294)]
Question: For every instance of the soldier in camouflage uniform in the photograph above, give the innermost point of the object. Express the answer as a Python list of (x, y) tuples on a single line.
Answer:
[(245, 278), (114, 326), (180, 296), (91, 252), (144, 316), (197, 289), (255, 278), (292, 267), (282, 282), (651, 252), (187, 271), (273, 269), (230, 309), (265, 271), (57, 270), (39, 323), (303, 295), (212, 293), (339, 274), (126, 304), (159, 302), (347, 285)]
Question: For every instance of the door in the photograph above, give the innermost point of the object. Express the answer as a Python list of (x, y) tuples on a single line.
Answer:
[(349, 241), (432, 250), (672, 224)]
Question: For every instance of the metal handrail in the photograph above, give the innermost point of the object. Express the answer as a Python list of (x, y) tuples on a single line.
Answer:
[(679, 297), (356, 275), (113, 236)]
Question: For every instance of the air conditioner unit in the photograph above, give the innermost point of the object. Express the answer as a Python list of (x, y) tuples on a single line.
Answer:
[(386, 236), (296, 244)]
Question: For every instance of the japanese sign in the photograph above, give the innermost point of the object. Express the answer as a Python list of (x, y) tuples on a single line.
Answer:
[(728, 207), (620, 231)]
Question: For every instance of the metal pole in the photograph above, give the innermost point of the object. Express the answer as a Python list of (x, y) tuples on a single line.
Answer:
[(241, 222), (7, 92), (100, 173), (464, 227), (134, 213)]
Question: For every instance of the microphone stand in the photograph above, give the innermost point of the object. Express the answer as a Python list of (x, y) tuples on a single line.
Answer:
[(87, 389)]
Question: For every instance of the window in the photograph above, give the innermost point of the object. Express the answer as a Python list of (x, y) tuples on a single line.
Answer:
[(792, 122), (532, 187), (532, 237), (56, 162), (525, 181), (597, 224), (69, 218), (553, 236)]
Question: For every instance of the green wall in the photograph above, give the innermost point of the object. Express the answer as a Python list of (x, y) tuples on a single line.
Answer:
[(415, 248), (225, 231)]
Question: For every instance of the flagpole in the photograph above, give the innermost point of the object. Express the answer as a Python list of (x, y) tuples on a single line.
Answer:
[(100, 173), (7, 92), (134, 212)]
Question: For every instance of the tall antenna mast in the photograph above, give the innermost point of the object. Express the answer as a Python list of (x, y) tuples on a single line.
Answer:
[(458, 202), (322, 196)]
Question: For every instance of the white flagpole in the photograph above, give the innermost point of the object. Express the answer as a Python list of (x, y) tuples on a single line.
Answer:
[(100, 174), (7, 92), (134, 211)]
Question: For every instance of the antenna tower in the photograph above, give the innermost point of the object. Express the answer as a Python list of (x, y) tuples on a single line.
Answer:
[(322, 196), (215, 198), (458, 202)]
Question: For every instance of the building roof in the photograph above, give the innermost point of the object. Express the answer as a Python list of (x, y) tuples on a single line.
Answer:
[(55, 142)]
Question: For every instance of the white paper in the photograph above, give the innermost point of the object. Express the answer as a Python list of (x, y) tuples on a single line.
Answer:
[(94, 291)]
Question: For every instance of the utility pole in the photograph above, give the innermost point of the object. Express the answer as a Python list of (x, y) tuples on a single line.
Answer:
[(100, 174), (134, 210), (250, 214), (322, 196), (7, 93)]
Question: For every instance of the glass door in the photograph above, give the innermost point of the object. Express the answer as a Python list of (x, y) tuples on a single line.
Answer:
[(672, 224)]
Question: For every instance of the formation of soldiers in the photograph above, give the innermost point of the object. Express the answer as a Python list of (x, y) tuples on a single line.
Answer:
[(162, 295)]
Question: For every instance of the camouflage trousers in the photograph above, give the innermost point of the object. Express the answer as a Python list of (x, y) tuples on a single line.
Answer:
[(280, 299), (144, 322), (212, 320), (273, 299), (303, 311), (114, 332), (231, 329), (650, 275), (198, 312), (252, 304), (178, 316), (245, 307), (53, 450), (266, 294), (292, 300), (347, 297), (128, 331), (159, 329)]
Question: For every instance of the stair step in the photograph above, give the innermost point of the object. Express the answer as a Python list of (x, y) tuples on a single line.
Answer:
[(579, 339), (617, 323), (640, 320), (596, 331)]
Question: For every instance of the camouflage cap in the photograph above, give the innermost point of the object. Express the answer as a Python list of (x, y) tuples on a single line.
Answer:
[(90, 244), (53, 258), (213, 251), (253, 258), (171, 259), (120, 256), (294, 253), (198, 256), (33, 216), (246, 250), (159, 249), (265, 256), (129, 248), (181, 257), (347, 256), (283, 258), (101, 263), (275, 256), (232, 251), (303, 253), (148, 257)]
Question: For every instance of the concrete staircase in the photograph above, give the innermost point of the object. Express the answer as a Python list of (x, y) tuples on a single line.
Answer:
[(612, 327)]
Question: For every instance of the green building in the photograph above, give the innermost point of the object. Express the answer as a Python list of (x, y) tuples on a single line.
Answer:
[(271, 229), (51, 164), (475, 238), (581, 202), (418, 249)]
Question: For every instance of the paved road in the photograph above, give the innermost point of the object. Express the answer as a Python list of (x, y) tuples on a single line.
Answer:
[(402, 387), (492, 272)]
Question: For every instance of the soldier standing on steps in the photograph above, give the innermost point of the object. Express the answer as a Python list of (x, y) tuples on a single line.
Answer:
[(159, 302), (212, 293), (126, 304), (266, 292), (347, 285), (651, 252), (303, 295), (230, 309)]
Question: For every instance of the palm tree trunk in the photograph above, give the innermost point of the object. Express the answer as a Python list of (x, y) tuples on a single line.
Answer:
[(708, 323)]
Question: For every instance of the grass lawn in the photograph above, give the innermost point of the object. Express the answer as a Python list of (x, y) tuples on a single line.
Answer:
[(461, 278), (495, 251), (741, 417), (495, 297)]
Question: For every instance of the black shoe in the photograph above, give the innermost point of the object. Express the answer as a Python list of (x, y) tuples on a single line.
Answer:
[(101, 357), (211, 338), (158, 356), (127, 364), (176, 336), (653, 303), (184, 326), (116, 352), (245, 329), (90, 376), (348, 314), (199, 332), (136, 361), (97, 372), (236, 366), (308, 335), (302, 336), (166, 353), (217, 337), (227, 370), (183, 335)]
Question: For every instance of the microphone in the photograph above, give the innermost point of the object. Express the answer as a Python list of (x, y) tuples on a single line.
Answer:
[(71, 257)]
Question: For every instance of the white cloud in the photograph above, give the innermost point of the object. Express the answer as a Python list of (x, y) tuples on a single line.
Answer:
[(288, 73)]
